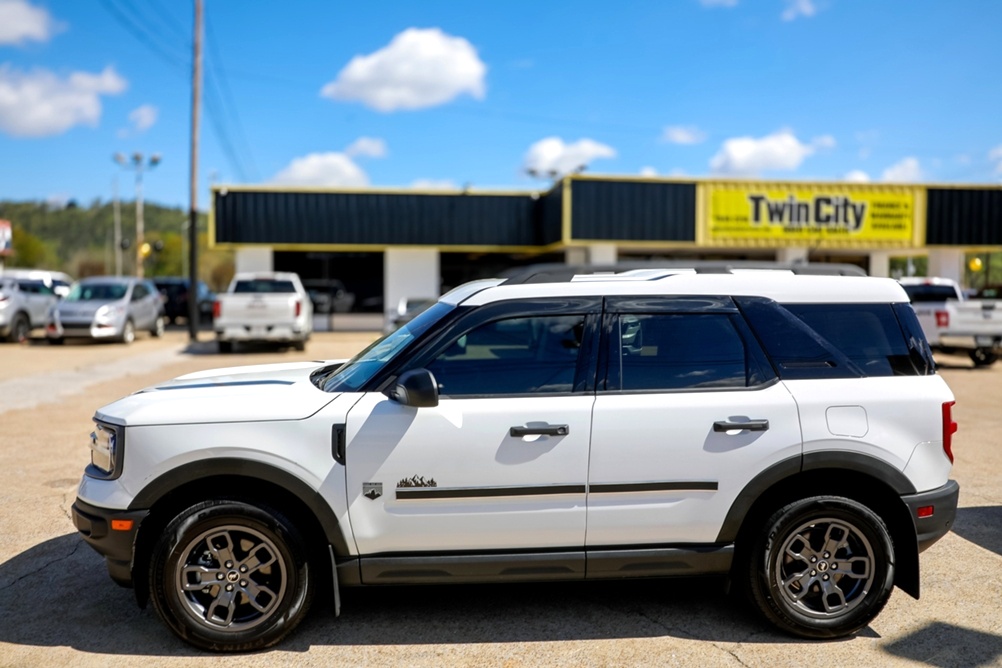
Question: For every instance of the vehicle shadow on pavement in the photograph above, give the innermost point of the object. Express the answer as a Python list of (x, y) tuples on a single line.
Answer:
[(58, 594), (694, 609), (948, 646), (200, 348), (980, 525)]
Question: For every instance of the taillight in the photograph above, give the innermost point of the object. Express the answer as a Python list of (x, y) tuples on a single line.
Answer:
[(949, 428), (942, 318), (299, 307), (217, 308)]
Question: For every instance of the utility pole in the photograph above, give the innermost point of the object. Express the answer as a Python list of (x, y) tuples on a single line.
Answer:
[(196, 99), (118, 230), (138, 165)]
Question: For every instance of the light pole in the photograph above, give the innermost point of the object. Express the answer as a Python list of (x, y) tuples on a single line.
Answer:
[(139, 164)]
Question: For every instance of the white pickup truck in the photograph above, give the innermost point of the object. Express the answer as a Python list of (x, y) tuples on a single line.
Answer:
[(263, 307), (955, 324)]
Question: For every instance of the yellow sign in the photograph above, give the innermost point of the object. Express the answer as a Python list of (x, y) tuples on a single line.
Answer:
[(809, 215)]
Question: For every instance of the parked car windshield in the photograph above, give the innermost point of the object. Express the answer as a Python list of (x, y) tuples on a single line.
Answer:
[(264, 285), (83, 292), (356, 372)]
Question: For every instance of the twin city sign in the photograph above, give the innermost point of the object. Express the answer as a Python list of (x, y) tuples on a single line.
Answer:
[(822, 215)]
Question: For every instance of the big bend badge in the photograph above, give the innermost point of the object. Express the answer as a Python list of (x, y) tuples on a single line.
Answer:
[(372, 490)]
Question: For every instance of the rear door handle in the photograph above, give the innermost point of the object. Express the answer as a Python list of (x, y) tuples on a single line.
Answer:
[(750, 425), (548, 430)]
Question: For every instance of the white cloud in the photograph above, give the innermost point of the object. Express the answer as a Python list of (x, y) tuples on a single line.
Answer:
[(40, 104), (367, 147), (904, 171), (683, 134), (21, 22), (780, 151), (856, 176), (552, 157), (995, 155), (418, 69), (648, 171), (323, 169), (796, 8), (718, 3), (143, 118), (434, 184)]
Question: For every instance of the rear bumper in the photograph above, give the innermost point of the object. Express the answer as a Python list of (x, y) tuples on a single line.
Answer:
[(116, 546), (943, 501), (270, 333)]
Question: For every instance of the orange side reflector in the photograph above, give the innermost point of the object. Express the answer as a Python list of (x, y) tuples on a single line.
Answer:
[(926, 511), (121, 525)]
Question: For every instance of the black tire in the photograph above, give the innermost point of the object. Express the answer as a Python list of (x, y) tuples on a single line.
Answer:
[(299, 345), (225, 542), (983, 356), (225, 347), (158, 327), (20, 329), (56, 340), (805, 593)]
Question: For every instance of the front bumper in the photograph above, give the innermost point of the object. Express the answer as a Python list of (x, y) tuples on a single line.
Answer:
[(115, 545), (943, 501)]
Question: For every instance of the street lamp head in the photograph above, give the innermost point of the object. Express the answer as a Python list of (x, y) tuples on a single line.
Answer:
[(137, 158), (119, 158), (155, 160)]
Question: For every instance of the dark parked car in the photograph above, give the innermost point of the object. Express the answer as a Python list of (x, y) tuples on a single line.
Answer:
[(175, 292), (329, 295)]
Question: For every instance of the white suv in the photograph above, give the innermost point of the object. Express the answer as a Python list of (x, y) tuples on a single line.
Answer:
[(788, 431)]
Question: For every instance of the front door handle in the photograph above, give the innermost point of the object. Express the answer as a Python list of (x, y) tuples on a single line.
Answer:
[(750, 425), (547, 430)]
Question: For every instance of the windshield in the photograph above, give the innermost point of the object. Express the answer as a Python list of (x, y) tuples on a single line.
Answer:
[(356, 372), (83, 292)]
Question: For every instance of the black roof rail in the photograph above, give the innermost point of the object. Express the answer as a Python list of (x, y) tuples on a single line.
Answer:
[(564, 273)]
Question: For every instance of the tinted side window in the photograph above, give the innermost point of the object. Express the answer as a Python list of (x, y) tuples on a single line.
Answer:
[(869, 334), (796, 350), (138, 292), (529, 355), (930, 293), (682, 351)]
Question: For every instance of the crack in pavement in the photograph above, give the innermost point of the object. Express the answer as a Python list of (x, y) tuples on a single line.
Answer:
[(43, 567)]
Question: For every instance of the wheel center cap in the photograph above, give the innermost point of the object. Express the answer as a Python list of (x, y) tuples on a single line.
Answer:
[(232, 576), (823, 566)]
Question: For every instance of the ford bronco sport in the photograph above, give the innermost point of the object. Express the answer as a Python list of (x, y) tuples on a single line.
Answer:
[(787, 431)]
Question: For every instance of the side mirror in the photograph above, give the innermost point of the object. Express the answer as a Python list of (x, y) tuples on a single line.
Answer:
[(417, 388)]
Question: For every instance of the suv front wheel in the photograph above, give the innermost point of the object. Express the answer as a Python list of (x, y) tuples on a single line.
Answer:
[(229, 576), (822, 568)]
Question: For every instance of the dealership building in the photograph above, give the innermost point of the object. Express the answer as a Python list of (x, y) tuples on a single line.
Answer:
[(387, 244)]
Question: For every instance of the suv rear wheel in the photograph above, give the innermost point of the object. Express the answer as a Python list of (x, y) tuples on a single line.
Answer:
[(229, 576), (823, 567)]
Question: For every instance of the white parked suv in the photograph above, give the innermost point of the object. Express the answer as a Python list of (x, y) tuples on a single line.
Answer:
[(787, 431)]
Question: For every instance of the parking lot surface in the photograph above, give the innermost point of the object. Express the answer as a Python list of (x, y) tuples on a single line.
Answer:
[(59, 608)]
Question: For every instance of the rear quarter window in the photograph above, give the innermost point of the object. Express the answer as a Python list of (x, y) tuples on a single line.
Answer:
[(871, 335)]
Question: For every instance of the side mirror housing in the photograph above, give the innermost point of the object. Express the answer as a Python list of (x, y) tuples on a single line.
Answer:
[(417, 388)]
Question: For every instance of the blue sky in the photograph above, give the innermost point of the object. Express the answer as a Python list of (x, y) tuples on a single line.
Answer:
[(450, 94)]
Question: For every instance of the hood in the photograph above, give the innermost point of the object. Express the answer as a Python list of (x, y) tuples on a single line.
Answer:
[(258, 393), (84, 309)]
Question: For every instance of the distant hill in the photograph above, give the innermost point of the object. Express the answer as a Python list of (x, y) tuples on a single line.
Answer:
[(79, 239)]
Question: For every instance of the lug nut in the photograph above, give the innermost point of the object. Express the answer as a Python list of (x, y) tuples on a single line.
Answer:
[(824, 577), (243, 569), (814, 573), (243, 583), (229, 587), (813, 559), (219, 576), (229, 564)]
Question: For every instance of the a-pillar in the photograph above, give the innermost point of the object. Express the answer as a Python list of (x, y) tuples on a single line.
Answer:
[(947, 263), (254, 258), (409, 272), (880, 264), (792, 255)]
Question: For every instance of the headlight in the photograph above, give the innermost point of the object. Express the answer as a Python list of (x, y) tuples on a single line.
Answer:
[(109, 311), (104, 451)]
